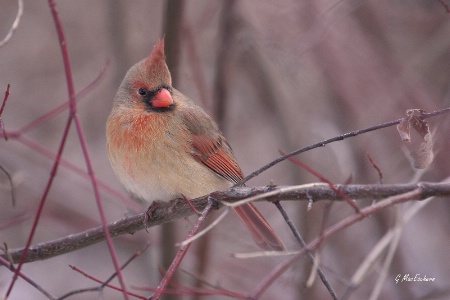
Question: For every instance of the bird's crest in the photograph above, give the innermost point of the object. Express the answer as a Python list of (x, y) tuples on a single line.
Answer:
[(155, 64)]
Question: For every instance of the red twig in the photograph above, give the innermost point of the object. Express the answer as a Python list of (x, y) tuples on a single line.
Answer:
[(41, 204), (181, 290), (181, 253), (375, 165), (20, 137), (445, 5), (106, 283), (324, 179), (133, 205), (186, 291), (133, 257), (72, 117), (102, 283), (2, 127), (73, 110), (60, 108), (191, 205)]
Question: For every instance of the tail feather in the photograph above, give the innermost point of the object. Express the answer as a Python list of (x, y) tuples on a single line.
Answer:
[(262, 233)]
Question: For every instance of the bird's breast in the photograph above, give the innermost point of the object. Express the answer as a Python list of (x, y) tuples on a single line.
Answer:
[(151, 156)]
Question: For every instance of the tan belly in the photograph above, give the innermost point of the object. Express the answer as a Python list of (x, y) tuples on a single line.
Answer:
[(155, 165), (163, 179)]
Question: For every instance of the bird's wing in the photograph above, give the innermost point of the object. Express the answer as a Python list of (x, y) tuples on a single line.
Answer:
[(216, 156), (209, 147)]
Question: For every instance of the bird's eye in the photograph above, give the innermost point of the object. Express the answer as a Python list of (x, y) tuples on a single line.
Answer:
[(142, 91)]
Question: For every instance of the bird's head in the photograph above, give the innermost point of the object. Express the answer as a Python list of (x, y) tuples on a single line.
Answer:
[(148, 84)]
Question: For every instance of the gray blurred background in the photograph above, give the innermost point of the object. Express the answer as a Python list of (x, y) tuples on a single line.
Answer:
[(275, 75)]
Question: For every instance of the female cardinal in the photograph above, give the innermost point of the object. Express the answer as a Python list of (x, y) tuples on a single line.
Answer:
[(161, 145)]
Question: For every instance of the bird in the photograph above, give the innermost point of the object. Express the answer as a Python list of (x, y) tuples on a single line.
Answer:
[(162, 146)]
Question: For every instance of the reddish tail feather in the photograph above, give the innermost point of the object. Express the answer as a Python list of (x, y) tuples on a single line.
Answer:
[(262, 233)]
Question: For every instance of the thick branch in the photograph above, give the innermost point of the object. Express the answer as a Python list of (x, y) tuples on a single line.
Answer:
[(178, 208)]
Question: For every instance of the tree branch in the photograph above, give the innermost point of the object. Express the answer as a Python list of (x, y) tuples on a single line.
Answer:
[(178, 208)]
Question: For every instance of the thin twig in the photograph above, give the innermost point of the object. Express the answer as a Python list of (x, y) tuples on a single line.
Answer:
[(38, 148), (126, 263), (106, 282), (60, 108), (14, 25), (26, 278), (44, 196), (41, 203), (393, 245), (182, 290), (97, 288), (309, 254), (334, 139), (11, 184), (445, 5), (192, 291), (181, 253), (74, 117), (188, 201), (350, 220), (324, 179), (204, 231), (2, 127), (217, 290), (377, 167), (72, 105), (272, 193)]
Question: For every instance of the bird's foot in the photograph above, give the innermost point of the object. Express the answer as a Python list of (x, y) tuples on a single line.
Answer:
[(149, 213)]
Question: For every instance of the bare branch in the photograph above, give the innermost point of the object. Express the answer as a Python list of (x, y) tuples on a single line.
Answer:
[(178, 208)]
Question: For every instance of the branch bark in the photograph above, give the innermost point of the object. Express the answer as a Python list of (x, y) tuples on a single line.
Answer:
[(178, 208)]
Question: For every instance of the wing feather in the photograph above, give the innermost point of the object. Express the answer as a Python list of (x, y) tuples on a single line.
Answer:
[(216, 155)]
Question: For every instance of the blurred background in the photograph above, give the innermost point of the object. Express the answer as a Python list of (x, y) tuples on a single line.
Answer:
[(275, 75)]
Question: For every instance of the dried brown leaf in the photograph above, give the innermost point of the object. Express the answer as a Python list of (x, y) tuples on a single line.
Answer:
[(417, 141)]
